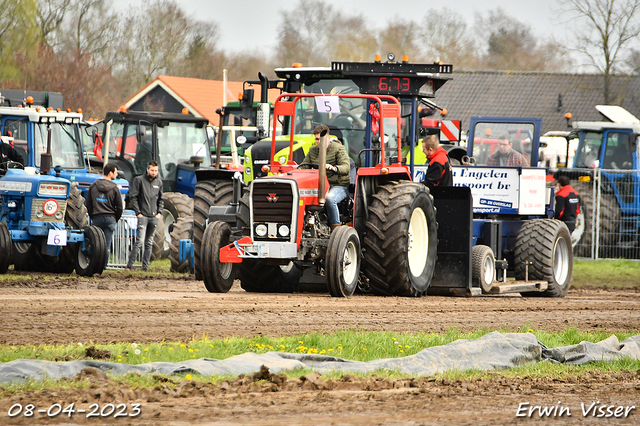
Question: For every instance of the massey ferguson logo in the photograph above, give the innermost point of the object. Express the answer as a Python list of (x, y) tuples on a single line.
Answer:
[(272, 198)]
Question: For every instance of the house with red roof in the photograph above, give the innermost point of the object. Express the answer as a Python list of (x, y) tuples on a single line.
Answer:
[(171, 94)]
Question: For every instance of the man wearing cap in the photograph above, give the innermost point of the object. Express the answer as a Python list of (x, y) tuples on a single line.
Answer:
[(567, 203), (338, 167)]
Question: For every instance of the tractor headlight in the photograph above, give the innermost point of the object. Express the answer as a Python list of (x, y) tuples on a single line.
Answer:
[(247, 170), (261, 230), (39, 214), (12, 204), (50, 207), (59, 215), (283, 230), (282, 159)]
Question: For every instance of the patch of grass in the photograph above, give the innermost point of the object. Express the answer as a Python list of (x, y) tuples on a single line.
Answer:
[(620, 273), (353, 345)]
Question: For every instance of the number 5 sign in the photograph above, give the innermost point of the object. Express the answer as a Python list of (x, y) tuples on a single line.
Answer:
[(328, 104)]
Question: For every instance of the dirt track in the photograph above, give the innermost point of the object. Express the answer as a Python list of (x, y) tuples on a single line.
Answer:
[(128, 307)]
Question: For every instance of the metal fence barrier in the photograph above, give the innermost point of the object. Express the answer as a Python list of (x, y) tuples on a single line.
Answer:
[(123, 238), (611, 202)]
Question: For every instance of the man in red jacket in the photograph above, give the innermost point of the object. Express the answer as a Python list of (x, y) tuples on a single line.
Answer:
[(439, 171), (567, 203)]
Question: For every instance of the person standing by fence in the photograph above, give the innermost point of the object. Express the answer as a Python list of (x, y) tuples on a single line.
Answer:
[(104, 204), (145, 195), (567, 203)]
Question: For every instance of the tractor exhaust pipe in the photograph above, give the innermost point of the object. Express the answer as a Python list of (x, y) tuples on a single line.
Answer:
[(322, 165)]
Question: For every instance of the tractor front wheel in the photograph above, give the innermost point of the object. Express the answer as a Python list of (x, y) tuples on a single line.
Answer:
[(343, 261), (218, 277), (6, 247), (91, 259)]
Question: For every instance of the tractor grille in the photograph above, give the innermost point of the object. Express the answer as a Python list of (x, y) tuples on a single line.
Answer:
[(273, 204), (36, 206)]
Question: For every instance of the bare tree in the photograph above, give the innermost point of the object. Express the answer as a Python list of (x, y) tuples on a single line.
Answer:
[(446, 38), (50, 15), (92, 26), (354, 41), (202, 58), (304, 34), (153, 39), (603, 31), (401, 38), (511, 45)]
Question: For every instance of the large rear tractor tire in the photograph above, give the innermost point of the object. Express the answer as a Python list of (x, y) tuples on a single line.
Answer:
[(609, 223), (257, 275), (401, 240), (218, 277), (207, 194), (90, 260), (483, 267), (343, 261), (6, 247), (546, 245), (182, 230), (176, 206)]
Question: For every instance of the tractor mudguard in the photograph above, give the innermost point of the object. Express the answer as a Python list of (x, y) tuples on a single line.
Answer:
[(231, 253)]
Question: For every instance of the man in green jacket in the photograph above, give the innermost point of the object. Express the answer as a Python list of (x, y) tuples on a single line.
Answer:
[(337, 173)]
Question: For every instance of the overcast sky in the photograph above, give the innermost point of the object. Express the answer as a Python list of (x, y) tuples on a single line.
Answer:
[(246, 24)]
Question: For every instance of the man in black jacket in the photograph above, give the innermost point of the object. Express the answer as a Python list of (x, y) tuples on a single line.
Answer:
[(567, 203), (104, 204), (145, 194), (9, 153)]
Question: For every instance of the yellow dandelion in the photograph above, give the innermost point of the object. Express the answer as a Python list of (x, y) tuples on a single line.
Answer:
[(330, 349), (323, 352), (364, 349), (170, 349), (188, 377), (300, 342), (407, 346), (144, 357), (401, 351), (146, 349), (210, 344), (190, 350), (183, 345), (530, 331), (197, 350)]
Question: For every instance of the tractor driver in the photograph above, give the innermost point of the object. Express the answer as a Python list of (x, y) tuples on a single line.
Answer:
[(505, 155), (338, 163)]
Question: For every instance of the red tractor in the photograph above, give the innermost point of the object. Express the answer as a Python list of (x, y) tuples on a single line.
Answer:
[(280, 228)]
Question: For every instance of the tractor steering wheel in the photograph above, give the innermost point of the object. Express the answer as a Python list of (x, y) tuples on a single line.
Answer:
[(311, 165)]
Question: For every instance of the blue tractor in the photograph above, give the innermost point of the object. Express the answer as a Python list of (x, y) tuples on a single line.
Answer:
[(605, 168), (33, 233)]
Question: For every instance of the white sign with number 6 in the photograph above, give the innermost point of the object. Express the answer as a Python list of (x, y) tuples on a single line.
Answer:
[(328, 104), (57, 237)]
